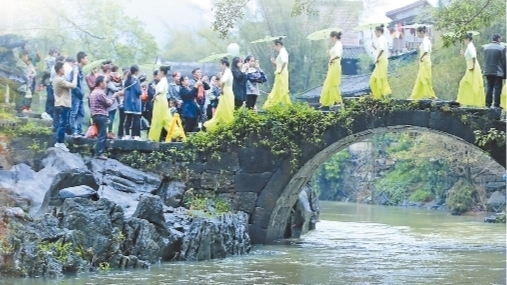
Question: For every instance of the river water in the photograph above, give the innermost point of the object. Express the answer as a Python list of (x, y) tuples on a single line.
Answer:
[(353, 244)]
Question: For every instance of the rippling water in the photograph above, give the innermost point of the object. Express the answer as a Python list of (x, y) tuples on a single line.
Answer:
[(353, 244)]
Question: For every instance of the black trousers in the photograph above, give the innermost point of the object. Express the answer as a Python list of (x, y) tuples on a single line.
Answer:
[(494, 86), (121, 123), (238, 103), (250, 101), (133, 120), (189, 124)]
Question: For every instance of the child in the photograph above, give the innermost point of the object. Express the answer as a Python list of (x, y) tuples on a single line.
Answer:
[(172, 107)]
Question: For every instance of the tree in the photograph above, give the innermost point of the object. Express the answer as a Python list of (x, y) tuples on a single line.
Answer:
[(457, 17), (227, 13), (103, 31), (204, 41)]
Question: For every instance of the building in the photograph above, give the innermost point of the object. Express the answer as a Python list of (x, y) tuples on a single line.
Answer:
[(405, 39), (345, 16)]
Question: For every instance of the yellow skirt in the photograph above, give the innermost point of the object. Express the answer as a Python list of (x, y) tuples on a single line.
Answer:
[(162, 119), (330, 94), (280, 92), (471, 88), (503, 97), (423, 88), (224, 113), (378, 81)]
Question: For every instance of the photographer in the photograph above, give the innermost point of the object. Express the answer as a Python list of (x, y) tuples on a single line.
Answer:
[(99, 110)]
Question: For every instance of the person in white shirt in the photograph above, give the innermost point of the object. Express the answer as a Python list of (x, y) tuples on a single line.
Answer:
[(330, 94), (423, 88), (471, 87), (378, 81), (280, 91)]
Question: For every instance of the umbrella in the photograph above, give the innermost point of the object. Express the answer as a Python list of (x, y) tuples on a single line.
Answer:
[(502, 43), (322, 34), (267, 39), (94, 64), (214, 57), (368, 27)]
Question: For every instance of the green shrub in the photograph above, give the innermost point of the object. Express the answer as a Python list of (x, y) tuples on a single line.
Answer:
[(420, 196), (460, 197)]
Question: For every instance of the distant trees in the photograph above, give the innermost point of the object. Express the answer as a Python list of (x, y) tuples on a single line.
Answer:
[(102, 30)]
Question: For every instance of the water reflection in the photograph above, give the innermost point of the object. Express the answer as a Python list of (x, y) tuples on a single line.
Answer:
[(354, 244)]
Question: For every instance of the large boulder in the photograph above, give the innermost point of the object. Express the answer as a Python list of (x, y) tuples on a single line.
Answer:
[(215, 237), (496, 201), (305, 214), (120, 177), (23, 187), (66, 179)]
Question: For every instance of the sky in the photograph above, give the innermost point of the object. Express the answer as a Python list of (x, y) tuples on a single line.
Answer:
[(186, 14)]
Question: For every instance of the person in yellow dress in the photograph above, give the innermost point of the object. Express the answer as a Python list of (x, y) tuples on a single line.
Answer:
[(330, 94), (503, 97), (161, 114), (280, 91), (423, 88), (471, 87), (224, 113), (378, 81)]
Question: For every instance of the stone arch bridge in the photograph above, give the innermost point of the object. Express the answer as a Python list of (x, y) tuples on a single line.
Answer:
[(266, 185)]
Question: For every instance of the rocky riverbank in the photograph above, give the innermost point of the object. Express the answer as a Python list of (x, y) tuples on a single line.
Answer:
[(78, 214)]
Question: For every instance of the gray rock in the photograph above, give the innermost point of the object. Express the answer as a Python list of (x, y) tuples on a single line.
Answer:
[(495, 186), (81, 191), (305, 214), (496, 201), (218, 237), (120, 177), (57, 160), (171, 193), (151, 208), (66, 179), (22, 186), (128, 201)]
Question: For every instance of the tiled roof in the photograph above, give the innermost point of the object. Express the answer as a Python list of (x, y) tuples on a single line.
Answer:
[(355, 85), (409, 6), (353, 52)]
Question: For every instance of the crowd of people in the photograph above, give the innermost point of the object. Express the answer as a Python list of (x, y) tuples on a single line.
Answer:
[(201, 102), (204, 102)]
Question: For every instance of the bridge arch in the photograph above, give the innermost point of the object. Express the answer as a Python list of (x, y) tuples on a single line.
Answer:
[(276, 199)]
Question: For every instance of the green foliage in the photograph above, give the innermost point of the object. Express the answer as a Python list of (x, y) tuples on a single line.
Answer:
[(329, 176), (228, 13), (460, 197), (38, 147), (364, 64), (59, 250), (457, 17), (482, 139), (29, 129), (104, 31), (5, 246), (211, 205), (104, 267), (420, 195)]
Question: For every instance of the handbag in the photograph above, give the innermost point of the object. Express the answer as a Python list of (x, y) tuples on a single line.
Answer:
[(92, 132)]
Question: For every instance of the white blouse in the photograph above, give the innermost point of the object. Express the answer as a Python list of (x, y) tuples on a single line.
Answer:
[(382, 46), (227, 77), (336, 50)]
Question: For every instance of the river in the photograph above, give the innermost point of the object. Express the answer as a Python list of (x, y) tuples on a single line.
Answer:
[(353, 244)]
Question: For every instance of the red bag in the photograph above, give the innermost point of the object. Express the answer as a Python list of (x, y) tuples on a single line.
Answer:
[(92, 132)]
